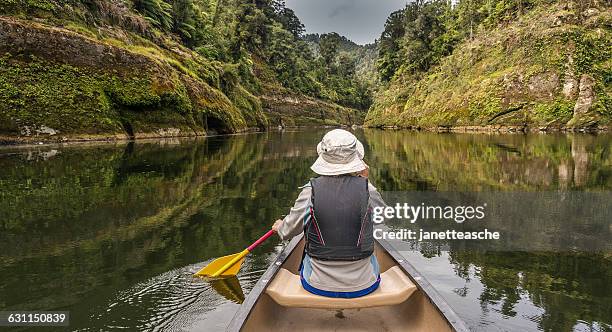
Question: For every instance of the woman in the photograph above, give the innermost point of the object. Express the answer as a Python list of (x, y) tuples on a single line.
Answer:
[(334, 212)]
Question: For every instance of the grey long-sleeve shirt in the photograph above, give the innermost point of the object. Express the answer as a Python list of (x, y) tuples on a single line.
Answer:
[(335, 276)]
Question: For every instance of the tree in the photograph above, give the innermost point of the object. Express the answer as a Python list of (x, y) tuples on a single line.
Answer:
[(423, 26), (281, 55), (252, 30), (328, 47), (291, 22), (184, 20), (389, 45), (346, 65)]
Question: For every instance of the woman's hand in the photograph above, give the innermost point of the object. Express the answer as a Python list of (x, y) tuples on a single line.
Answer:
[(277, 225)]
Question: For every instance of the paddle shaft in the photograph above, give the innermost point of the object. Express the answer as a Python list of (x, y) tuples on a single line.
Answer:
[(260, 240), (244, 253)]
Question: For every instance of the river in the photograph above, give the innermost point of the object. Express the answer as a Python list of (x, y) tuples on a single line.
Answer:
[(113, 232)]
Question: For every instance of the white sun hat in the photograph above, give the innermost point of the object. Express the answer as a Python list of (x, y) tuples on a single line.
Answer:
[(340, 152)]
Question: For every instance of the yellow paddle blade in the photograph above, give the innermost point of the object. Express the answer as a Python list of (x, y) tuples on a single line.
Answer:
[(216, 265)]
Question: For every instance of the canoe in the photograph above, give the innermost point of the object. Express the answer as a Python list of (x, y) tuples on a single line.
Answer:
[(405, 301)]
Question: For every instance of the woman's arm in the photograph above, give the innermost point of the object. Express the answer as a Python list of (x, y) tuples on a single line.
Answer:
[(293, 223), (375, 197)]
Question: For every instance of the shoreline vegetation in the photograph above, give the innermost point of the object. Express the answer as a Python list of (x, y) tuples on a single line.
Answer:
[(85, 70), (33, 141), (538, 64)]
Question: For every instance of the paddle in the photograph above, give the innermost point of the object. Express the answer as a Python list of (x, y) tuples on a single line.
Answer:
[(229, 265)]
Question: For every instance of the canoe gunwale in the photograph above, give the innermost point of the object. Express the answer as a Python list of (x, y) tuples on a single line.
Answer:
[(251, 299), (422, 284), (428, 290)]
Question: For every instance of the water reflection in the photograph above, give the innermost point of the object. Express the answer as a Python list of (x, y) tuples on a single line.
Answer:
[(480, 162), (114, 232), (229, 288)]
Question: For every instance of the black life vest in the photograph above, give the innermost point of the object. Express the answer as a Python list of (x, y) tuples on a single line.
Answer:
[(340, 226)]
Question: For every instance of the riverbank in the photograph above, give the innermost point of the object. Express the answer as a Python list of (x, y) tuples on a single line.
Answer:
[(502, 129), (177, 133), (172, 133), (76, 138)]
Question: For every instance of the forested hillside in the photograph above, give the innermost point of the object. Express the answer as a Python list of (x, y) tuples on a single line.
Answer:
[(499, 64), (116, 68), (81, 69)]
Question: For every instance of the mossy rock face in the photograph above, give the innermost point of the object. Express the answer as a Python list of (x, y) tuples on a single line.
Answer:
[(77, 101), (287, 109), (158, 123), (284, 107), (26, 38), (526, 73), (251, 105), (35, 94), (75, 85), (71, 83)]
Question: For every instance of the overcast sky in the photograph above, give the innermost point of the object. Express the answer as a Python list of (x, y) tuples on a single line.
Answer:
[(361, 21)]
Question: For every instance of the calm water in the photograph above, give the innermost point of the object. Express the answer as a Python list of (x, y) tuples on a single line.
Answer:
[(114, 232)]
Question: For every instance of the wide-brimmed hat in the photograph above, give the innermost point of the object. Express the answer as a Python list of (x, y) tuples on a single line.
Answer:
[(340, 152)]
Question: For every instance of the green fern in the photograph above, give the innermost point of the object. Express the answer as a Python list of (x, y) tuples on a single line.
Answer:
[(186, 30), (156, 12)]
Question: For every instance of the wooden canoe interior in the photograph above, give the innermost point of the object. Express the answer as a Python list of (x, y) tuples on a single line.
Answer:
[(415, 314)]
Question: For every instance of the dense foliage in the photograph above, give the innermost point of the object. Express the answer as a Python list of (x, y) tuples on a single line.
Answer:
[(471, 62), (268, 30), (418, 36), (241, 34)]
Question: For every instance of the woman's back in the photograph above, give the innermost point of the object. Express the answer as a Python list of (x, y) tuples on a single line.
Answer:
[(334, 212)]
